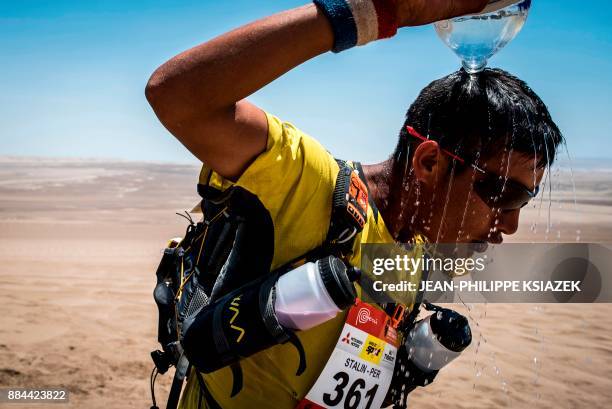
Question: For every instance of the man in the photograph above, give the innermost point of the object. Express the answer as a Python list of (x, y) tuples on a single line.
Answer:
[(472, 151)]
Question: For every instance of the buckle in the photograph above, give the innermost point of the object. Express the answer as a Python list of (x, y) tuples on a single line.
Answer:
[(398, 315)]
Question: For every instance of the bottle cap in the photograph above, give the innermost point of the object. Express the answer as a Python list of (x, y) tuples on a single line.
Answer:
[(336, 281), (452, 329)]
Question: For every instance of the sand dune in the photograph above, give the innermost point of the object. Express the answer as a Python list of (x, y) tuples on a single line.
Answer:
[(80, 240)]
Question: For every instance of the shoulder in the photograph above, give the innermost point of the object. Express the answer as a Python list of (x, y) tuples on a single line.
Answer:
[(294, 179), (291, 156)]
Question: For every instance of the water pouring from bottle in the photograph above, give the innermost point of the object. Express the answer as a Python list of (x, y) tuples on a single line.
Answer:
[(476, 38)]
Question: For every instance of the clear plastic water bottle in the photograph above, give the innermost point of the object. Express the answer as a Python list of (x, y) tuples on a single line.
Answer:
[(476, 38)]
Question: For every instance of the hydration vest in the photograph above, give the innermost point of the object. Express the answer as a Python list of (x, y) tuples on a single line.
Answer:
[(231, 246)]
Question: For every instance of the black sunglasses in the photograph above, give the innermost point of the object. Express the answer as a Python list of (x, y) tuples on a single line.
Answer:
[(496, 191), (503, 194)]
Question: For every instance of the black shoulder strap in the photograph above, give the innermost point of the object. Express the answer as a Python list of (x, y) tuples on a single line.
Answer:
[(359, 170)]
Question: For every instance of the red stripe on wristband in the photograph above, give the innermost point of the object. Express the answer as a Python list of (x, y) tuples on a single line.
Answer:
[(386, 11)]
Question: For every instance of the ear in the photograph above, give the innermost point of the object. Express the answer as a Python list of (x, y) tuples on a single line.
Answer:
[(428, 162)]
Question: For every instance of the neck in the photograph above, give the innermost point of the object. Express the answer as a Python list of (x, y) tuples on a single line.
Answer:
[(387, 194)]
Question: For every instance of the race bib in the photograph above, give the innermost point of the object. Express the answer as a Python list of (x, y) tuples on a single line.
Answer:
[(359, 370)]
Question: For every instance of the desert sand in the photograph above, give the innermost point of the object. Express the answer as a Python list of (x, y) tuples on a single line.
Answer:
[(80, 241)]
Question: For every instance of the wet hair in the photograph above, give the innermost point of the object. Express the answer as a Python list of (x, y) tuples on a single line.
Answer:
[(478, 116)]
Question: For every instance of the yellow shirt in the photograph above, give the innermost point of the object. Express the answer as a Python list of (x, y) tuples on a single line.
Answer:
[(294, 179)]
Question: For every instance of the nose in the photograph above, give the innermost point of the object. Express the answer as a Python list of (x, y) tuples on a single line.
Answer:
[(508, 221)]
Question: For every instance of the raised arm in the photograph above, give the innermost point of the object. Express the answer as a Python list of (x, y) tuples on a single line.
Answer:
[(199, 95)]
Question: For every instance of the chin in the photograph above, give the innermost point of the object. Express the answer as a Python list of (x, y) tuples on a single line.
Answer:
[(478, 246)]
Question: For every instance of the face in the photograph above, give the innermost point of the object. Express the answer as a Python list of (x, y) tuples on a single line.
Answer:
[(467, 217)]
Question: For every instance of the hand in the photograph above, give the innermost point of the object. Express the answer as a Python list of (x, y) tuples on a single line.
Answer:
[(420, 12)]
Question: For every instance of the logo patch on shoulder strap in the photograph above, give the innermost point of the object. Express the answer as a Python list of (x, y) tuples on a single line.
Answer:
[(349, 208)]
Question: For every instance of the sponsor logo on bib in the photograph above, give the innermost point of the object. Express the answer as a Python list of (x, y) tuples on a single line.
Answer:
[(373, 349), (364, 317)]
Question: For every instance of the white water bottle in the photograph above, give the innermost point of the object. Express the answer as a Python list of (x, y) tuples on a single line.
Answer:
[(313, 293), (438, 339)]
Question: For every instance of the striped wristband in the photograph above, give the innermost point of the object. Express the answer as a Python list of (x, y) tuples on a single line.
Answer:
[(357, 22)]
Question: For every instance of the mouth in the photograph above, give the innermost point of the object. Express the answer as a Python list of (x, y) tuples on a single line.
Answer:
[(481, 246)]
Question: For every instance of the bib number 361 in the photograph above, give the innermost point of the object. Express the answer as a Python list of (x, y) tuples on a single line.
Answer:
[(352, 394)]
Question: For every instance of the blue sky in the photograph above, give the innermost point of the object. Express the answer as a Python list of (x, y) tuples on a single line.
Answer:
[(72, 75)]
